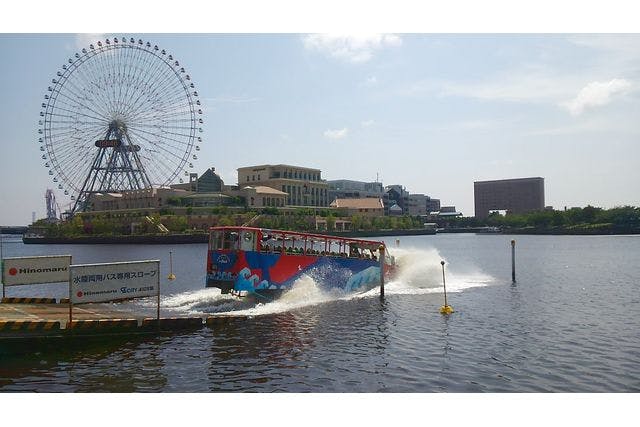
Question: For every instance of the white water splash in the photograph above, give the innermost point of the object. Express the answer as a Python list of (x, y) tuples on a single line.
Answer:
[(419, 272)]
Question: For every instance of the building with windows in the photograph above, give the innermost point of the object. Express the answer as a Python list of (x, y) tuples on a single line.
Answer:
[(349, 189), (416, 204), (367, 206), (260, 196), (433, 205), (208, 182), (395, 195), (136, 199), (303, 186), (516, 196)]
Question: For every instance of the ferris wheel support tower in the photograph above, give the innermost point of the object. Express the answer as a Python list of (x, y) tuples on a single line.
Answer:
[(116, 167)]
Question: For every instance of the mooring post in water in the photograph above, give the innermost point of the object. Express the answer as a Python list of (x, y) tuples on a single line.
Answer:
[(171, 276), (158, 294), (381, 253), (513, 261), (1, 264), (397, 243), (446, 308)]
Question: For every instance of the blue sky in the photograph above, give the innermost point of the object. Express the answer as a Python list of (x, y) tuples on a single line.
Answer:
[(433, 112)]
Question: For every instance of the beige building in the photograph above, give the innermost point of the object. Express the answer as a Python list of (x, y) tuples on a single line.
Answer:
[(260, 196), (135, 199), (368, 207), (303, 186)]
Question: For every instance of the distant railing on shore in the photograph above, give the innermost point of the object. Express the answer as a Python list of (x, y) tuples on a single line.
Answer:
[(19, 229)]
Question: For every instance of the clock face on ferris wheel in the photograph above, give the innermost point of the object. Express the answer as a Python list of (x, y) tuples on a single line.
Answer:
[(121, 114)]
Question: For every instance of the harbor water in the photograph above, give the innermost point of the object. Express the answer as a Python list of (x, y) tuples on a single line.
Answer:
[(570, 323)]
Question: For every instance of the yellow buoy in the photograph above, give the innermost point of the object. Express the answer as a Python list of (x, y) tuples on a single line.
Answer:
[(446, 309)]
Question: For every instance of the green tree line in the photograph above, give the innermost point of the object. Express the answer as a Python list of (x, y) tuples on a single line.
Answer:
[(627, 217)]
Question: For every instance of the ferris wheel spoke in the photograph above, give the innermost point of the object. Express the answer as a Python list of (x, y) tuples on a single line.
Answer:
[(74, 102), (178, 99), (72, 150), (159, 143), (136, 80), (67, 134), (70, 122), (141, 77), (87, 96), (75, 111), (148, 95), (161, 120), (159, 75), (163, 147), (163, 138), (91, 91), (69, 155), (128, 71), (167, 112), (105, 69)]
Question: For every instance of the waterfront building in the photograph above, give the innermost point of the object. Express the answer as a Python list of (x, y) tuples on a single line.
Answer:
[(136, 199), (395, 195), (394, 210), (433, 205), (516, 196), (416, 204), (368, 207), (261, 196), (208, 182), (350, 189), (303, 186)]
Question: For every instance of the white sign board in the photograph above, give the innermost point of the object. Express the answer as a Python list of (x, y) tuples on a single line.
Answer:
[(113, 281), (38, 269)]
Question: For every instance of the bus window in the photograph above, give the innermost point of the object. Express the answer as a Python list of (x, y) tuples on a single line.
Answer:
[(230, 240), (248, 242), (215, 241)]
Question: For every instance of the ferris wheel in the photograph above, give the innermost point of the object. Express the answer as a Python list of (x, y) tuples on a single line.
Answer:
[(120, 115)]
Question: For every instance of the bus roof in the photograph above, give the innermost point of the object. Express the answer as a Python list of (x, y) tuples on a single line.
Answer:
[(300, 234)]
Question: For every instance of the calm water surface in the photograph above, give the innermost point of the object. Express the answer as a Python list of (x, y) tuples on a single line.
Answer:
[(570, 324)]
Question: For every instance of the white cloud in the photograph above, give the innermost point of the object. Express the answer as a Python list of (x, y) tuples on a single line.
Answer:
[(596, 94), (370, 81), (83, 40), (518, 86), (367, 123), (336, 133), (477, 125), (351, 48)]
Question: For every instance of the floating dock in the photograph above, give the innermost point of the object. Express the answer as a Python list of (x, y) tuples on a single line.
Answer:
[(47, 317)]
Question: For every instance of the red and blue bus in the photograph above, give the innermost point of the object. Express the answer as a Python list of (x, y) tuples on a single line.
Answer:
[(265, 263)]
